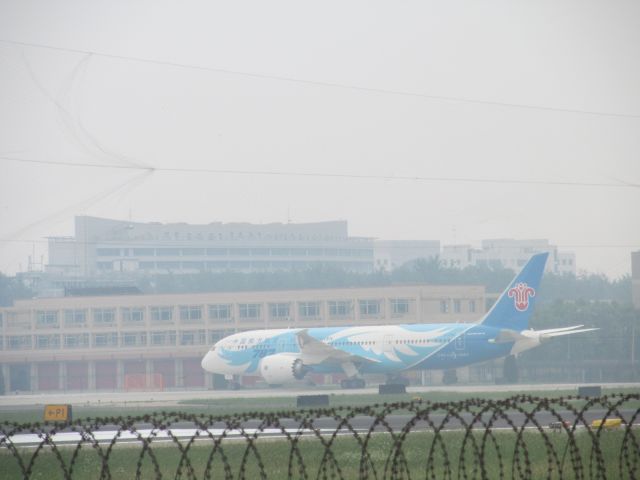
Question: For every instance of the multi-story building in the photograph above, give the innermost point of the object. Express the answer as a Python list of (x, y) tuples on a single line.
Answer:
[(114, 250), (635, 279), (508, 253), (157, 341), (103, 247)]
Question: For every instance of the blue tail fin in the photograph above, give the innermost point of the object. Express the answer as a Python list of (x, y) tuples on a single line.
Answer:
[(515, 305)]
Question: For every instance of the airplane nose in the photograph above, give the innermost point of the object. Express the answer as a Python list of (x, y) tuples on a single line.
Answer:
[(208, 362)]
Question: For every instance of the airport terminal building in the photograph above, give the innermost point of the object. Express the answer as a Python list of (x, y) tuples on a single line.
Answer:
[(129, 342)]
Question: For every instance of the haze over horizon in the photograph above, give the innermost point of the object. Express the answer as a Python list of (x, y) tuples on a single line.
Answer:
[(455, 122)]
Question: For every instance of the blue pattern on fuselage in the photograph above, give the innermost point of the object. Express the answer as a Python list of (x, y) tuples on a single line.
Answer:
[(385, 349)]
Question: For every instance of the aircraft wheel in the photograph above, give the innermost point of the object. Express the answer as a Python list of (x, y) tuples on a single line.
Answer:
[(349, 383), (510, 372), (450, 377)]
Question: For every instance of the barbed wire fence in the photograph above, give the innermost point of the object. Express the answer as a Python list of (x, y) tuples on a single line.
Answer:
[(521, 437)]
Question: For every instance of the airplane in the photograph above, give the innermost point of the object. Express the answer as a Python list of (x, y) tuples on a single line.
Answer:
[(282, 356)]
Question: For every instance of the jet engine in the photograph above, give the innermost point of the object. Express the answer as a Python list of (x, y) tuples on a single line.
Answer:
[(282, 368)]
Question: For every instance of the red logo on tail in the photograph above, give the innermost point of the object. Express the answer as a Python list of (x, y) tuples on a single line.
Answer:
[(521, 293)]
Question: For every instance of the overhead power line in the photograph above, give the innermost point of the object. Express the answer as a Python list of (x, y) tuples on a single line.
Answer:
[(326, 84), (284, 173)]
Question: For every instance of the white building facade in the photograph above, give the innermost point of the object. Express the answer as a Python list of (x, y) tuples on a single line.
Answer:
[(508, 253), (103, 247)]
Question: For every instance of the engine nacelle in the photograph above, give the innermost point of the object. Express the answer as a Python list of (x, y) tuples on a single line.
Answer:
[(282, 368)]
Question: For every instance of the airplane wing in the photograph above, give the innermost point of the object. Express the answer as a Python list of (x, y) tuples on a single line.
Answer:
[(314, 351)]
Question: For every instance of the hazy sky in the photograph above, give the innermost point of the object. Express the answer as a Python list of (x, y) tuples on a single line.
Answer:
[(370, 103)]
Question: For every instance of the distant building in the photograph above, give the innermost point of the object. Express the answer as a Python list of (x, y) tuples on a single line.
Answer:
[(103, 247), (508, 253), (635, 279), (105, 252), (391, 254), (125, 342)]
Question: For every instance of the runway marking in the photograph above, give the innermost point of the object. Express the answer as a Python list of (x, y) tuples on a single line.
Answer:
[(33, 440), (155, 435)]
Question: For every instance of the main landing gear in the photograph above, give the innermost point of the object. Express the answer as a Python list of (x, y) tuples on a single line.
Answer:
[(353, 382), (450, 377), (510, 370), (396, 379)]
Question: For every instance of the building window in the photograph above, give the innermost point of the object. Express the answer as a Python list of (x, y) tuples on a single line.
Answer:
[(249, 311), (339, 308), (168, 252), (108, 252), (133, 315), (104, 316), (20, 320), (399, 306), (279, 310), (472, 306), (78, 340), (75, 318), (144, 252), (163, 338), (168, 265), (456, 306), (369, 307), (221, 313), (193, 266), (192, 252), (19, 342), (105, 340), (134, 339), (309, 309), (44, 342), (193, 337), (216, 335), (444, 306), (190, 313), (240, 252), (162, 315), (47, 319)]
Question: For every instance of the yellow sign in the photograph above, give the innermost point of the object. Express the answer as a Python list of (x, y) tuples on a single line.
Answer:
[(57, 413), (608, 423)]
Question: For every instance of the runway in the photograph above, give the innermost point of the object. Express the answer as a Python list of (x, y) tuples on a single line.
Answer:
[(172, 398), (288, 428)]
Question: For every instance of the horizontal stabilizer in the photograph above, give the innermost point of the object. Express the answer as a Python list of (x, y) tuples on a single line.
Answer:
[(566, 332), (561, 329)]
